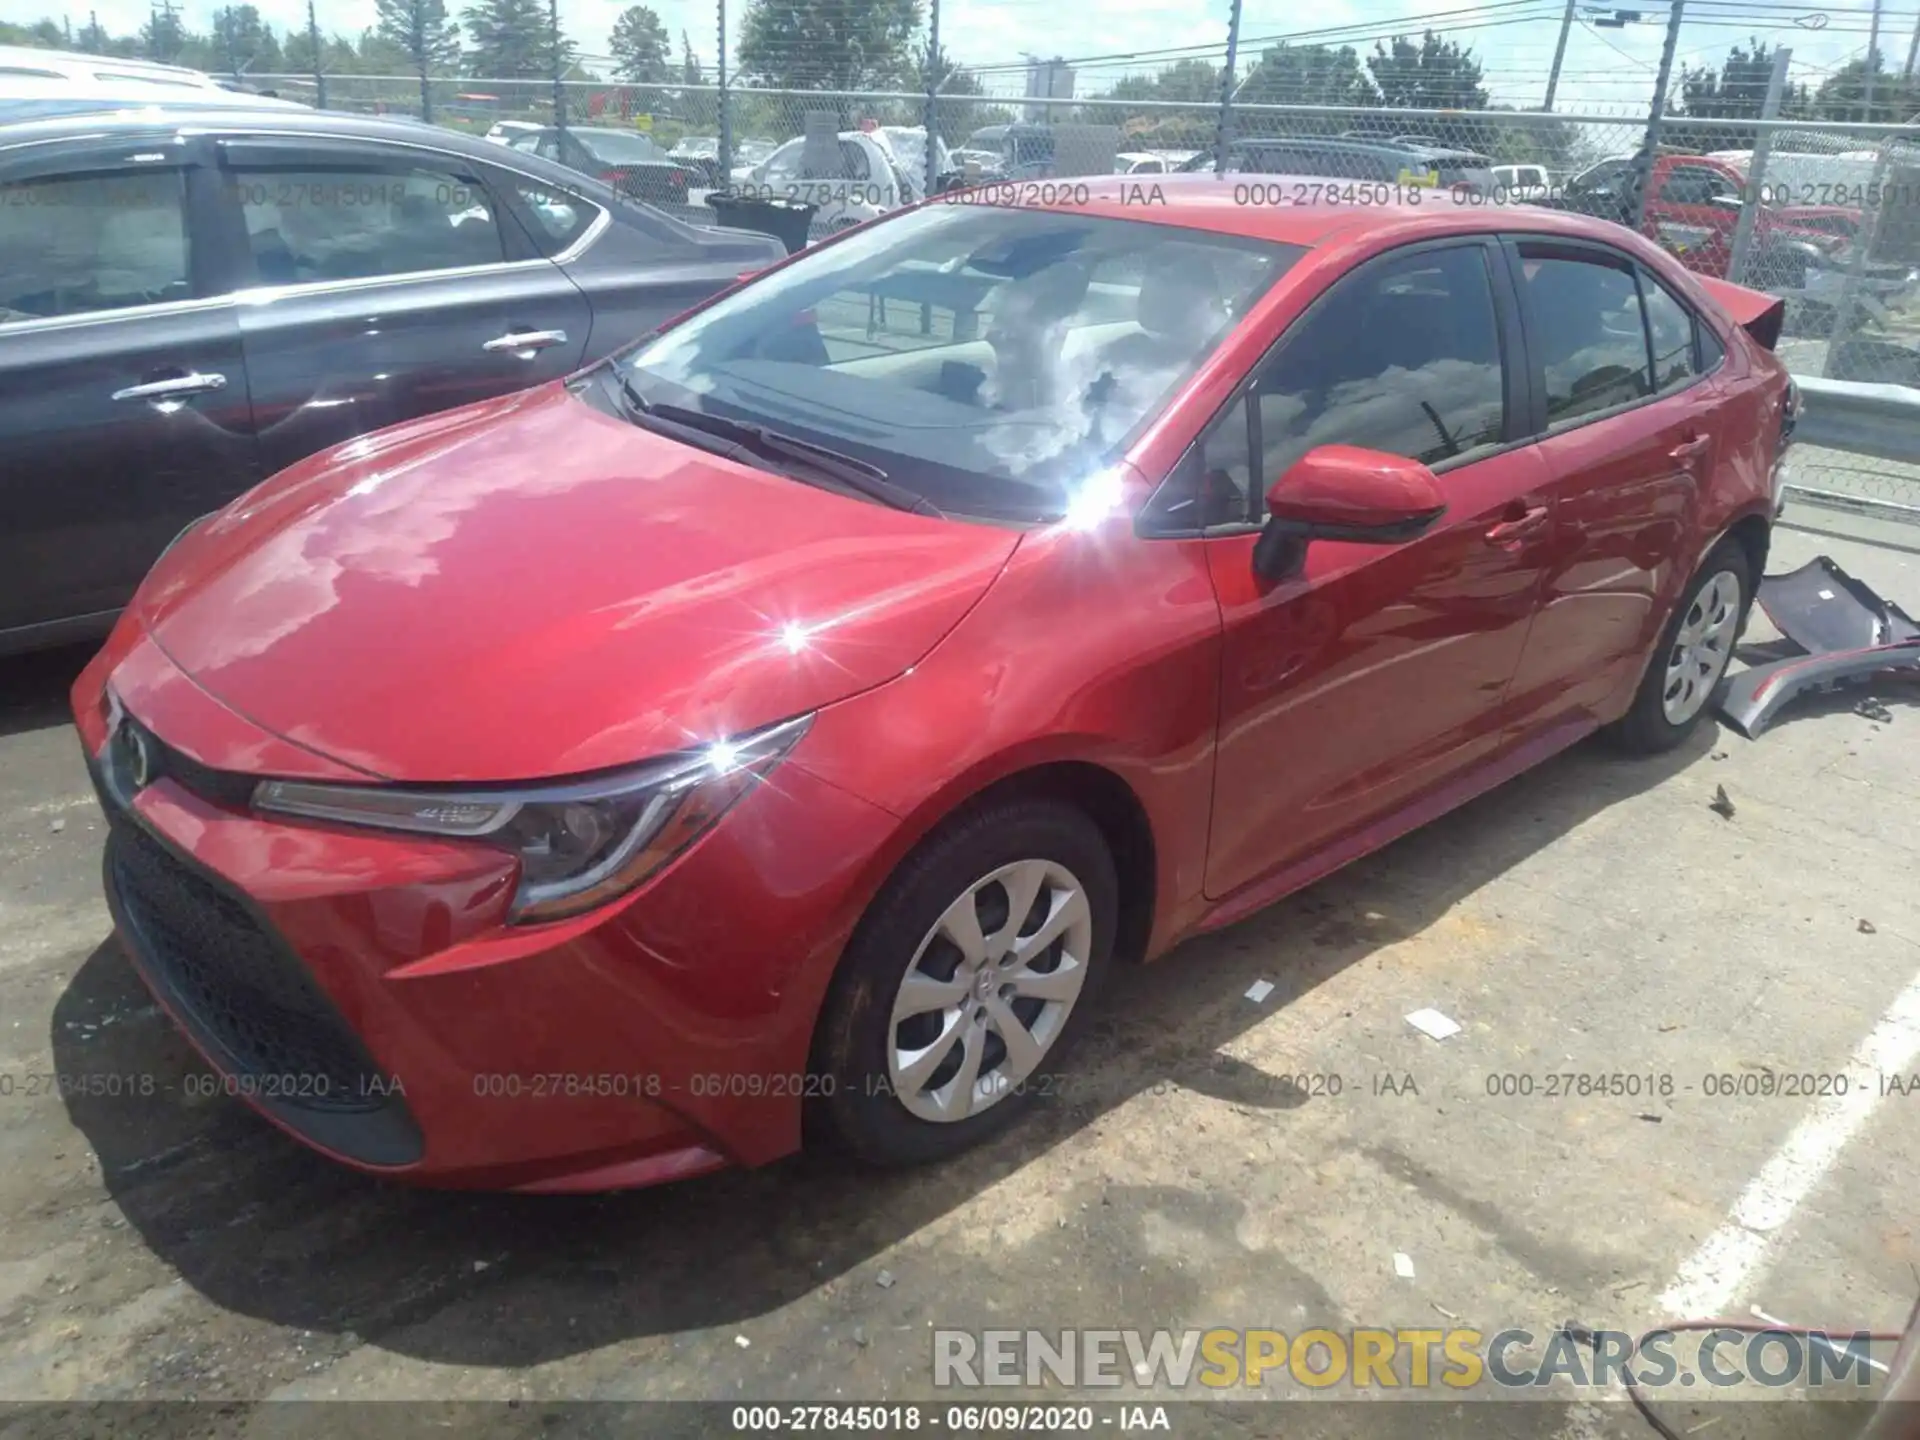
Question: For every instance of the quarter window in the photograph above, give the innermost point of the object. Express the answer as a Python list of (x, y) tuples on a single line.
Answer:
[(356, 223), (1587, 336), (560, 217), (1670, 333), (79, 243)]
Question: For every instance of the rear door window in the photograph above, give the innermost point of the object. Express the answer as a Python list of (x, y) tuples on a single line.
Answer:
[(354, 221), (1586, 335)]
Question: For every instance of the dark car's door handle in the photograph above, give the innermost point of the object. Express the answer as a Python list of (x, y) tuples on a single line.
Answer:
[(1693, 449), (175, 388), (1521, 527), (524, 344)]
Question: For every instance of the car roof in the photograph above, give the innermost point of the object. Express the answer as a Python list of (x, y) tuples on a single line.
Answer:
[(24, 101), (295, 120), (252, 113), (76, 65)]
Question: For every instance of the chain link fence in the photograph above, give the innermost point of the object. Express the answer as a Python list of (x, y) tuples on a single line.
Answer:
[(1826, 216)]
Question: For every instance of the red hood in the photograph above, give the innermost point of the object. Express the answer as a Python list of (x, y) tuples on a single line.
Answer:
[(529, 588)]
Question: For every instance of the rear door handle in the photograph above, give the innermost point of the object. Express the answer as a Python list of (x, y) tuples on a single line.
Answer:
[(173, 389), (1521, 527), (1688, 450), (524, 343)]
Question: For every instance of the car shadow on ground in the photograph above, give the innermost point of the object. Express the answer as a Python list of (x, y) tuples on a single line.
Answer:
[(264, 1228)]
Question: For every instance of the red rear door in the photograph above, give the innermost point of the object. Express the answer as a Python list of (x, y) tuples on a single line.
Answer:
[(1627, 441)]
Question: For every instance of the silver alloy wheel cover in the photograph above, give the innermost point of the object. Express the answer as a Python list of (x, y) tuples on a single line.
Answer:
[(977, 1002), (1701, 648)]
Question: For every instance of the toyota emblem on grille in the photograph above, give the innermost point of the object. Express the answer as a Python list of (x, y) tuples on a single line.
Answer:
[(139, 756)]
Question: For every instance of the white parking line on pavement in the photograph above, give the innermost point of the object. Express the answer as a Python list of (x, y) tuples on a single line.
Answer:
[(1713, 1277)]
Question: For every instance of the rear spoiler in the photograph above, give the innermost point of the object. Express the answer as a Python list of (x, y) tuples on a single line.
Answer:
[(1759, 314)]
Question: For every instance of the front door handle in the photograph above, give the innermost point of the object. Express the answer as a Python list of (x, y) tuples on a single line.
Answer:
[(524, 344), (174, 389), (1521, 527), (1691, 449)]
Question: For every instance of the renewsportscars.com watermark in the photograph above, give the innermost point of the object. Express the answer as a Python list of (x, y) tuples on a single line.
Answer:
[(1391, 1359)]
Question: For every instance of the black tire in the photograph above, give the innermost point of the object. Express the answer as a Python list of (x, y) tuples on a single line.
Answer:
[(1646, 728), (856, 1031)]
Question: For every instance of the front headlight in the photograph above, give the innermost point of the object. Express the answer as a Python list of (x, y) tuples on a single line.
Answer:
[(579, 843)]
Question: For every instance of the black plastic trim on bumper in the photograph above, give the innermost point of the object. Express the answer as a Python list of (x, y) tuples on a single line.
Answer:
[(378, 1129)]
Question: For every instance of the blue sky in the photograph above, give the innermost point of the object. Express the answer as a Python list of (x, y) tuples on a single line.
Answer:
[(1606, 71)]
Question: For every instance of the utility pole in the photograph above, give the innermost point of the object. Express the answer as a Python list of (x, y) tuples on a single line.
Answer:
[(319, 70), (725, 177), (165, 7), (1559, 54), (1873, 58), (1757, 170), (1650, 146), (559, 67), (1223, 132), (930, 173)]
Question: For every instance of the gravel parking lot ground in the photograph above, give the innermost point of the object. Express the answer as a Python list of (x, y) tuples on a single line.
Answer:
[(1594, 917)]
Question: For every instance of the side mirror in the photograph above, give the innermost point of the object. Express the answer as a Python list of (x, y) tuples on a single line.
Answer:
[(1342, 492)]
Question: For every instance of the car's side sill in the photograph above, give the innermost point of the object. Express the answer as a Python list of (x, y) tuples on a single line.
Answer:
[(1429, 805)]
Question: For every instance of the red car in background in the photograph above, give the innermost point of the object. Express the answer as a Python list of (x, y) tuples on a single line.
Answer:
[(1693, 206), (783, 727)]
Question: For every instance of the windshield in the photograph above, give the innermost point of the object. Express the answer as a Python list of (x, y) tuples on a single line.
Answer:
[(616, 148), (985, 359)]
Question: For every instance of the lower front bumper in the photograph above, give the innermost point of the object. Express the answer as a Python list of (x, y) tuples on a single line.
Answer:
[(363, 992)]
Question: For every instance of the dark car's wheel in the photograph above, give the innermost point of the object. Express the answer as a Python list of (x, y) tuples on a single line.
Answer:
[(966, 981), (1692, 655)]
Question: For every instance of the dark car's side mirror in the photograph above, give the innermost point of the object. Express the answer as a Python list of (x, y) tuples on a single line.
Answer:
[(1342, 492)]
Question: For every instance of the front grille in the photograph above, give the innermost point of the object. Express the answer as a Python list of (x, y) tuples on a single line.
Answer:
[(236, 984)]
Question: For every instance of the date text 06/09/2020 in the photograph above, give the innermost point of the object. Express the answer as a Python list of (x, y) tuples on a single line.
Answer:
[(973, 1420)]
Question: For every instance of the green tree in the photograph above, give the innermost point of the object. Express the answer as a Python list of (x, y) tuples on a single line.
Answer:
[(1309, 75), (829, 44), (511, 39), (1194, 81), (640, 47), (421, 30), (374, 54), (163, 37), (1735, 91), (93, 36), (1434, 74), (242, 41), (954, 115), (1843, 94)]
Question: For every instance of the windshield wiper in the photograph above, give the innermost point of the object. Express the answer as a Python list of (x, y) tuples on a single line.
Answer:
[(858, 476)]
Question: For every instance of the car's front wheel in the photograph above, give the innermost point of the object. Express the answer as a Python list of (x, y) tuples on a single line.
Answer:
[(965, 983), (1692, 656)]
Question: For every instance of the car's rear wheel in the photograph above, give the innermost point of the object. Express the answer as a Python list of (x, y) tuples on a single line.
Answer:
[(966, 982), (1692, 656)]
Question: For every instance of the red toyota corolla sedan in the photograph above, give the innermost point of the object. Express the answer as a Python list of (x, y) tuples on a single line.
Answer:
[(785, 725)]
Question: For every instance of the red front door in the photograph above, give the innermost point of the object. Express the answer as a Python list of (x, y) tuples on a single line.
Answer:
[(1379, 670)]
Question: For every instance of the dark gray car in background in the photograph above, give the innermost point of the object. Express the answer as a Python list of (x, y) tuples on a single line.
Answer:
[(192, 301)]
